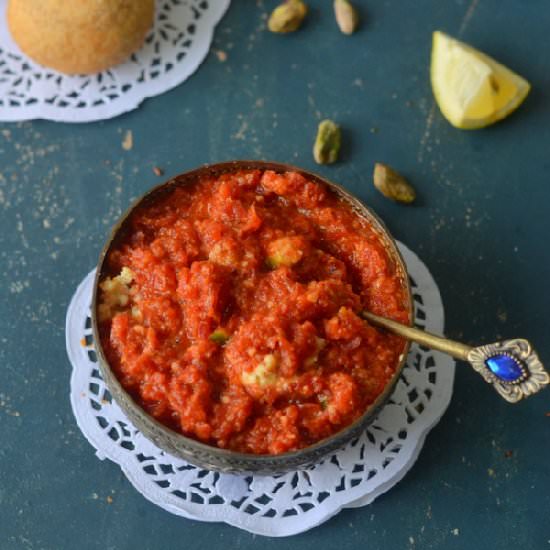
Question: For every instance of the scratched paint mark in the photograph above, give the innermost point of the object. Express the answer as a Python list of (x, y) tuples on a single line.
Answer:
[(241, 133), (468, 16), (427, 133)]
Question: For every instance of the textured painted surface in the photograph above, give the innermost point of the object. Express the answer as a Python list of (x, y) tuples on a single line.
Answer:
[(481, 225)]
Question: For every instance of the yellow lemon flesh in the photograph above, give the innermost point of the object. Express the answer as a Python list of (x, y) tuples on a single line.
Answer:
[(472, 89)]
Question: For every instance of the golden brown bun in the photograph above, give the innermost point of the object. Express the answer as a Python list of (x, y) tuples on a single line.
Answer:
[(80, 36)]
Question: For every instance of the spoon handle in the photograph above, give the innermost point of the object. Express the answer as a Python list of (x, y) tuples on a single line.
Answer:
[(450, 347), (512, 367)]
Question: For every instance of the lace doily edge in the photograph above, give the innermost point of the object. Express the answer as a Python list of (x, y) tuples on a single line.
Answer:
[(131, 101), (294, 525)]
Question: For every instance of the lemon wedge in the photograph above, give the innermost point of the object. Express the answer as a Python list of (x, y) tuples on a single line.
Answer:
[(472, 89)]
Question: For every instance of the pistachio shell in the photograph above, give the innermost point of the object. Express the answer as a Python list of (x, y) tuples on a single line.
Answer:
[(346, 16), (392, 184), (328, 142), (287, 17)]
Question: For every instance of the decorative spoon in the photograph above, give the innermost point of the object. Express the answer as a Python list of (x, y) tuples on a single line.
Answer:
[(512, 367)]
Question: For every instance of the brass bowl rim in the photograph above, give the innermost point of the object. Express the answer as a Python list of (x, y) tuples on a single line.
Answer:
[(217, 169)]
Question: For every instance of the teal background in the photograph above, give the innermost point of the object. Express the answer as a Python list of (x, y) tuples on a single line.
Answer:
[(481, 225)]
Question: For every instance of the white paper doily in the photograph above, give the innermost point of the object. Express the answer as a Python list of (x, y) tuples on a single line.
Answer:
[(277, 505), (173, 50)]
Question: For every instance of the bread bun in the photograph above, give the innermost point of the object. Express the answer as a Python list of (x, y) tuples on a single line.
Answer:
[(80, 36)]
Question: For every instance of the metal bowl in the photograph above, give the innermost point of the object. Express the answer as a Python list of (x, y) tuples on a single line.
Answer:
[(214, 458)]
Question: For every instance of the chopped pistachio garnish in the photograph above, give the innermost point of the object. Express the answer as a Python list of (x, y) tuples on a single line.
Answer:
[(219, 336)]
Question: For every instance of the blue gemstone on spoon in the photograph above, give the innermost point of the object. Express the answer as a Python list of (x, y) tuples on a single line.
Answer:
[(505, 367)]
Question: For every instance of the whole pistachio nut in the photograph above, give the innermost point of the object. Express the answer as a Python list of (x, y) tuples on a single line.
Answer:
[(392, 184), (327, 142), (346, 16), (287, 17)]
